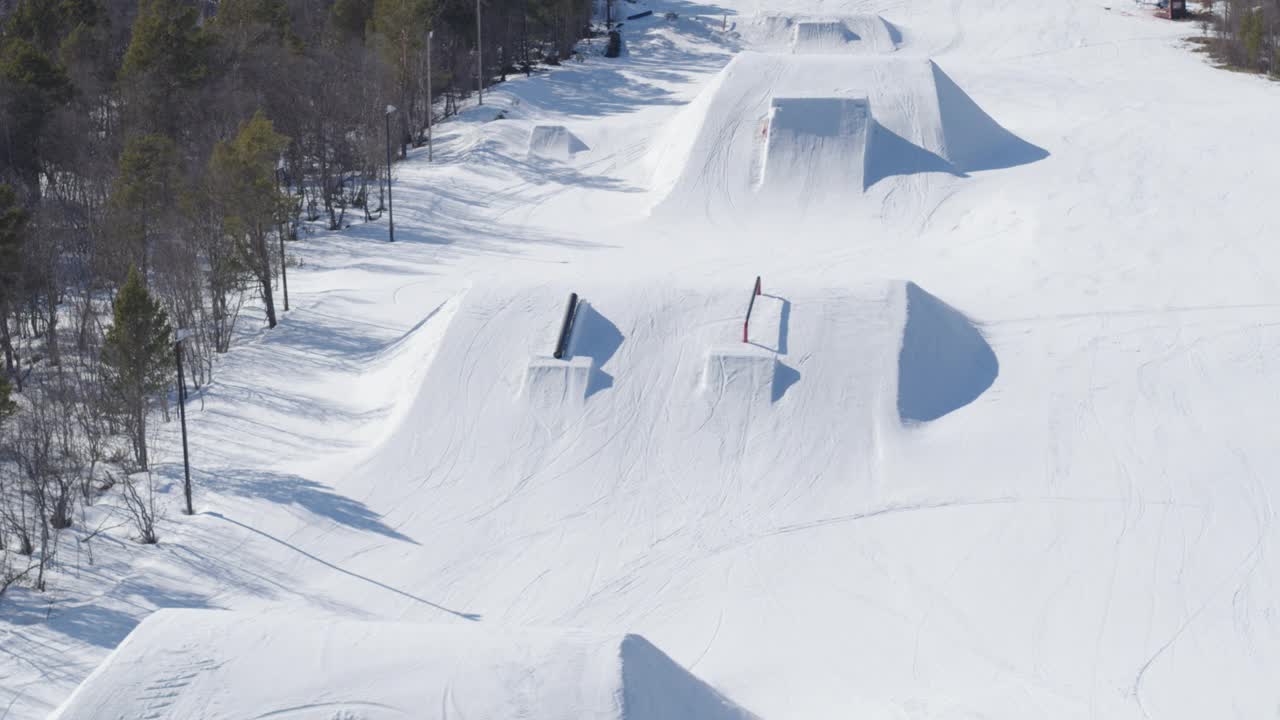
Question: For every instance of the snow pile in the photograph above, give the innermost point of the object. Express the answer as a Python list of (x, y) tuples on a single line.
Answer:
[(554, 142), (945, 362), (848, 34), (920, 122), (210, 664)]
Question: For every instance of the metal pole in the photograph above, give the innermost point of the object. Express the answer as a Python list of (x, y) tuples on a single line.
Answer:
[(391, 218), (284, 276), (182, 415), (479, 59), (430, 106)]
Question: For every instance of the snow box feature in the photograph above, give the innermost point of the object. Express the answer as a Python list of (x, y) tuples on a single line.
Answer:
[(817, 146), (945, 363), (549, 382), (554, 142), (220, 665), (739, 371)]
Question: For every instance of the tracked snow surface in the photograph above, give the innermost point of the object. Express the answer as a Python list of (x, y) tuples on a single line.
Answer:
[(1000, 443)]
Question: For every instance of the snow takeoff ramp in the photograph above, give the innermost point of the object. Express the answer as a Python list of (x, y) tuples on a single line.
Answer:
[(848, 35), (212, 665), (554, 142), (816, 146)]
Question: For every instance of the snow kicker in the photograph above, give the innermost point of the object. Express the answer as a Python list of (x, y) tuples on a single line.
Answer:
[(210, 664), (554, 142), (849, 34)]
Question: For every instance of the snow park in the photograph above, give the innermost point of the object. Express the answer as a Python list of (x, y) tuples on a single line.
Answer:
[(807, 360)]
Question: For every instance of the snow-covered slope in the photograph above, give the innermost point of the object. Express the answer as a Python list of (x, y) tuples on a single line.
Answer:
[(1001, 445)]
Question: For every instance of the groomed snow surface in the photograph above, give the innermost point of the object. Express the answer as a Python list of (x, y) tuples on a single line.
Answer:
[(999, 443)]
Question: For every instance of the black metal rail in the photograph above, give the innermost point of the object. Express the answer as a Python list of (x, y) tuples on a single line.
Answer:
[(566, 327), (746, 324)]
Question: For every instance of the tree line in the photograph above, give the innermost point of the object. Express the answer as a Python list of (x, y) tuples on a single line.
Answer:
[(1244, 34), (155, 157)]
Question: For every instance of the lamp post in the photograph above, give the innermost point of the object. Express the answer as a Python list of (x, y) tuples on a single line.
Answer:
[(479, 60), (179, 336), (391, 218), (430, 106), (284, 276)]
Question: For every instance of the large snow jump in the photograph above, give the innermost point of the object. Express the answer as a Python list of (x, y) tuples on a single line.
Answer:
[(905, 114), (847, 34), (212, 664)]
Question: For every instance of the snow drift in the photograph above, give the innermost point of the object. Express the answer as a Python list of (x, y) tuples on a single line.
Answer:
[(920, 122), (210, 664)]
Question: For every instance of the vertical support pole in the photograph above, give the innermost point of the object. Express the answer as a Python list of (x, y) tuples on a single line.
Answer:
[(182, 415), (284, 277), (430, 104), (391, 217), (479, 60)]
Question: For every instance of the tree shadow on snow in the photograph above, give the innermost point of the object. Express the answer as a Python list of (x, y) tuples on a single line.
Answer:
[(289, 489)]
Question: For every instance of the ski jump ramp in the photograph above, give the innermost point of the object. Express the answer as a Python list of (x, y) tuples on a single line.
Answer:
[(847, 34), (857, 121), (231, 666)]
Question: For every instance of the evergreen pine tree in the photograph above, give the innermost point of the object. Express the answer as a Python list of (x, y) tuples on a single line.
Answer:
[(138, 356), (7, 406), (168, 54), (252, 204), (144, 193), (13, 220)]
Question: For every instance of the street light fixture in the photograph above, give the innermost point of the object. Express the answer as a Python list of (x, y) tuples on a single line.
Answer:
[(179, 336), (391, 218)]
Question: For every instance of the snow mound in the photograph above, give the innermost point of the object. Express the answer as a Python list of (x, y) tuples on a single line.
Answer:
[(554, 142), (815, 146), (849, 34), (945, 362), (212, 665), (713, 157)]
